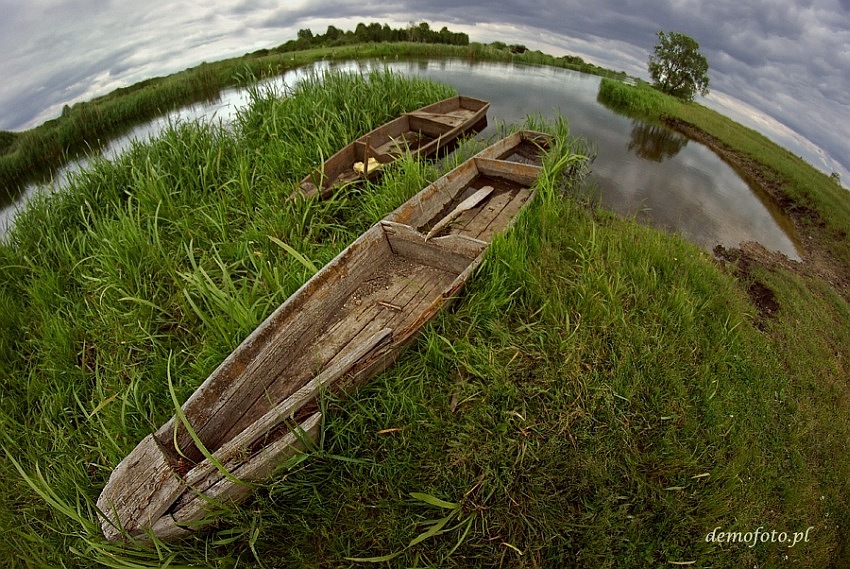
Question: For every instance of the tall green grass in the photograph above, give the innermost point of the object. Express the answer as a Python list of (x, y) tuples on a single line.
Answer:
[(599, 395), (642, 100), (169, 253), (84, 127)]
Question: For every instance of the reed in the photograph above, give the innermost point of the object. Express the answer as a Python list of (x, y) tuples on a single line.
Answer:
[(601, 393), (642, 101), (31, 156)]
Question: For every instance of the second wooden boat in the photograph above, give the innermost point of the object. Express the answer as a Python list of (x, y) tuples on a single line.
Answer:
[(346, 324), (423, 132)]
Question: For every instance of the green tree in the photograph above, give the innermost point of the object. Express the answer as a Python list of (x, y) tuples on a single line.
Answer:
[(333, 33), (677, 67)]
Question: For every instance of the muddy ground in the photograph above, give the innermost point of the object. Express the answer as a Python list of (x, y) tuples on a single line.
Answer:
[(817, 261)]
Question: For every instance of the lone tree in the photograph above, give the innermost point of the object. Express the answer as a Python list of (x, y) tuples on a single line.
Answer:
[(678, 68)]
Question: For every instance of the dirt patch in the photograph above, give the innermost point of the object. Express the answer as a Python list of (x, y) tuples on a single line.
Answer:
[(742, 260), (817, 261), (395, 266), (763, 297)]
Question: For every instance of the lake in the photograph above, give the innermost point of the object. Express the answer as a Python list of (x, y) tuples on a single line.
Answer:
[(643, 170)]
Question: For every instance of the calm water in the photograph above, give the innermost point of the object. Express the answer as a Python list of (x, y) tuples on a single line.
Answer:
[(643, 170)]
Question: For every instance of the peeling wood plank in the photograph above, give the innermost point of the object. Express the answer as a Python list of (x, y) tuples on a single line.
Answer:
[(486, 215), (463, 206), (186, 516), (523, 174), (293, 403), (430, 255), (429, 202), (135, 502), (507, 215), (235, 453)]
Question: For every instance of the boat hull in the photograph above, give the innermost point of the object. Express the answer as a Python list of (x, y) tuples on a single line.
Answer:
[(423, 132), (346, 324)]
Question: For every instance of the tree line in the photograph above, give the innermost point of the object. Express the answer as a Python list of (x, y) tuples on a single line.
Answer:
[(374, 33)]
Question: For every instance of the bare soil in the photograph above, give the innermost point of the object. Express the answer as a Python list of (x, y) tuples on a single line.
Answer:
[(817, 261)]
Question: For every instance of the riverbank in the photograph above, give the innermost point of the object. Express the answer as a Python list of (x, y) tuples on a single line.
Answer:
[(33, 155), (602, 394), (817, 205)]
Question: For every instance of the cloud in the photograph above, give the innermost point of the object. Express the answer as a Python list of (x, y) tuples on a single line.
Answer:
[(789, 60)]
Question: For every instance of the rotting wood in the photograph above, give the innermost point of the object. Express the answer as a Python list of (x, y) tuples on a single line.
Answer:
[(139, 501), (256, 365), (411, 244), (259, 406), (188, 515), (422, 132), (520, 198), (285, 409), (465, 205), (487, 214)]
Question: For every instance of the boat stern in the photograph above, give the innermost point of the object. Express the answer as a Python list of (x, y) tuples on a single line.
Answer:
[(139, 491)]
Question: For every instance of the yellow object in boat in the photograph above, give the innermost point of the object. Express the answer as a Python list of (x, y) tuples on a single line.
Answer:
[(373, 165)]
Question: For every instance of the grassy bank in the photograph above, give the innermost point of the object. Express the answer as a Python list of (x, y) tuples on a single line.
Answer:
[(34, 154), (808, 326), (601, 395), (820, 202)]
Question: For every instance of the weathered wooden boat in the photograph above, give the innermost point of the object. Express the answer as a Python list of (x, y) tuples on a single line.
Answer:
[(346, 324), (423, 132)]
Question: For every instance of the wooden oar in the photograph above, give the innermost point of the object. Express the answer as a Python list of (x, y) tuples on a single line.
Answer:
[(465, 205)]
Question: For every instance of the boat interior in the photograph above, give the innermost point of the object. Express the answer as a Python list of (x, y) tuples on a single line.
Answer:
[(344, 325), (388, 278)]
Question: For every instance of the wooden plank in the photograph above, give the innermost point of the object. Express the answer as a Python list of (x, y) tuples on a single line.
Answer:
[(507, 215), (290, 405), (403, 294), (404, 333), (461, 244), (359, 311), (430, 201), (235, 452), (444, 120), (256, 363), (437, 294), (412, 247), (523, 174), (197, 502), (399, 144), (453, 244), (136, 502), (414, 285), (486, 214), (463, 206), (504, 147)]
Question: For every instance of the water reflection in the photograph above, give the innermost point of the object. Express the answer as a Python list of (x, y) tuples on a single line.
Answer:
[(655, 142), (641, 169)]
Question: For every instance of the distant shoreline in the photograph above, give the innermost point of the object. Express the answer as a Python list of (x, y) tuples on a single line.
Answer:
[(32, 155)]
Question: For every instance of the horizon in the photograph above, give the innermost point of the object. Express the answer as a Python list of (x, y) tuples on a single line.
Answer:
[(115, 50)]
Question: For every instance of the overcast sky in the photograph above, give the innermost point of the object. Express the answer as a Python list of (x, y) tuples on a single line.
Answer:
[(780, 67)]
